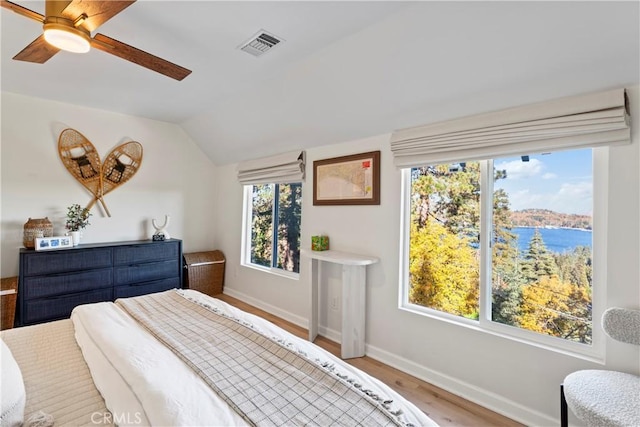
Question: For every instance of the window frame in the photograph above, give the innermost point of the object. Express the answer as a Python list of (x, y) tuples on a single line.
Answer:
[(592, 352), (245, 255)]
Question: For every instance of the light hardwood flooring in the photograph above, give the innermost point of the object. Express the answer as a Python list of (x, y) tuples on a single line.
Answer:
[(444, 408)]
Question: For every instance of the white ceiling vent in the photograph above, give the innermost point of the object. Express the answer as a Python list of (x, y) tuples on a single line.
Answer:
[(260, 43)]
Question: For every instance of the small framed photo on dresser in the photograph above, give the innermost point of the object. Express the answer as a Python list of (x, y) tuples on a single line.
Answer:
[(51, 243)]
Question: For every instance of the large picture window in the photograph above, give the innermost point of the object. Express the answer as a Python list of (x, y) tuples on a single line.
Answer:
[(506, 241), (272, 226)]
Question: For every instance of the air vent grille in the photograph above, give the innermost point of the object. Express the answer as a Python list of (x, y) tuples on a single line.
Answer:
[(260, 43)]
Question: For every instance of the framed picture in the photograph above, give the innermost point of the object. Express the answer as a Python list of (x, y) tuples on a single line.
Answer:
[(347, 180), (50, 243)]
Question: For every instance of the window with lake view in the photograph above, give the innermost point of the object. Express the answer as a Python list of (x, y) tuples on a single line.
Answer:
[(537, 269)]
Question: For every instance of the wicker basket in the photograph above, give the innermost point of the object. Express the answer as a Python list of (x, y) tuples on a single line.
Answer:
[(9, 288), (204, 272), (38, 227)]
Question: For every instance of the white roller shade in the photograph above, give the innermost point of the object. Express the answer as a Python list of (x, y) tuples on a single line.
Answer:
[(280, 169), (591, 120)]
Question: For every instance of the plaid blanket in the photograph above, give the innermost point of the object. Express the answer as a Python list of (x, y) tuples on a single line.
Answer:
[(263, 380)]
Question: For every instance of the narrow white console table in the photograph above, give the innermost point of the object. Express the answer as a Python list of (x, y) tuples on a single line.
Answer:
[(354, 277)]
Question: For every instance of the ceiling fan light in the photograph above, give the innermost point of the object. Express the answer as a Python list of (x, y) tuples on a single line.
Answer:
[(65, 38)]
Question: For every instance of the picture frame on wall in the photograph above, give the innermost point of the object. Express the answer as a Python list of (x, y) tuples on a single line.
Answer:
[(52, 243), (347, 180)]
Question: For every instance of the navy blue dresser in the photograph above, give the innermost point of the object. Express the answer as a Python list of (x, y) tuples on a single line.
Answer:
[(52, 283)]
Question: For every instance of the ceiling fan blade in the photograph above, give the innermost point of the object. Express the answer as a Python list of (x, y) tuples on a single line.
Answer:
[(140, 57), (98, 11), (39, 51), (22, 11)]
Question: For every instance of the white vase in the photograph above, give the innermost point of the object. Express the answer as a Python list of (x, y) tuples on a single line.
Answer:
[(75, 236)]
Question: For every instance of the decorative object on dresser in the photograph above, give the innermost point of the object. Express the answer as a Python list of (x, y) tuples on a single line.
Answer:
[(204, 272), (8, 292), (161, 230), (52, 243), (38, 227), (77, 220), (52, 283), (81, 159)]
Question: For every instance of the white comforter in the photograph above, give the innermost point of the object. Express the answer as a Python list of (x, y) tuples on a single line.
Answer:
[(144, 383)]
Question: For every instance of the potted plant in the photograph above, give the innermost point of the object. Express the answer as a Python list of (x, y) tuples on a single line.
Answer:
[(77, 220)]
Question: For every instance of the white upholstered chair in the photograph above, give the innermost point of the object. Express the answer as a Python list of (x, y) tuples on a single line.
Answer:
[(606, 398)]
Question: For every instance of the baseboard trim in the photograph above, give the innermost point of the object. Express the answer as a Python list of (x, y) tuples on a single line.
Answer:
[(276, 311), (477, 395), (470, 392)]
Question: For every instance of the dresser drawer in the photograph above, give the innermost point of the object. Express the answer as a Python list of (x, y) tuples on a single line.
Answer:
[(135, 254), (146, 288), (125, 275), (38, 263), (56, 284), (53, 308)]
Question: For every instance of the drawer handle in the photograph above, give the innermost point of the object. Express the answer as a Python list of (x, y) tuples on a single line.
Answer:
[(53, 298)]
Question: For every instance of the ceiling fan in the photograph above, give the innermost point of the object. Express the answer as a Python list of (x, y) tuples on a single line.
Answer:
[(68, 26)]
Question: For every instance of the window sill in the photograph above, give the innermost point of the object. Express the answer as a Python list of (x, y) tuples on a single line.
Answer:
[(571, 349), (274, 271)]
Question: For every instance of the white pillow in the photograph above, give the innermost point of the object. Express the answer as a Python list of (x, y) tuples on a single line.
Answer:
[(12, 394)]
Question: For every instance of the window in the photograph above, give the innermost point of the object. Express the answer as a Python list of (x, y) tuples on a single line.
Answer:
[(272, 226), (533, 275)]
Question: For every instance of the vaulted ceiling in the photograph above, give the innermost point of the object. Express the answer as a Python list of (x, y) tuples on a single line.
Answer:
[(345, 70)]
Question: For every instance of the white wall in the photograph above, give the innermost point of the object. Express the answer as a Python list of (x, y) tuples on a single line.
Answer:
[(175, 177), (516, 379)]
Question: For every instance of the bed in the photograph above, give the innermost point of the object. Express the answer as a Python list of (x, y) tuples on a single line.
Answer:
[(180, 358)]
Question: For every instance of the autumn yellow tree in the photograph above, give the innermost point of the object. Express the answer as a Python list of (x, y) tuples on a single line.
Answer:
[(443, 270), (543, 304)]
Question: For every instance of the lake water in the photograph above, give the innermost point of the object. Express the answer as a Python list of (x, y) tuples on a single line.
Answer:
[(555, 239)]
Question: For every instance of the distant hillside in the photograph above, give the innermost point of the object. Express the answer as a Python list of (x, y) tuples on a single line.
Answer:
[(545, 217)]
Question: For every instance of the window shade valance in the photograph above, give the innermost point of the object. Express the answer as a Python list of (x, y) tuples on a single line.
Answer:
[(279, 169), (577, 122)]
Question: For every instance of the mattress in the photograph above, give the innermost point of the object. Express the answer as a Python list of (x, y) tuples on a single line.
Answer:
[(56, 377)]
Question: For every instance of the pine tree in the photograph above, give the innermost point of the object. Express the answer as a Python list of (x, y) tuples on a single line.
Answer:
[(290, 205), (538, 261), (262, 225)]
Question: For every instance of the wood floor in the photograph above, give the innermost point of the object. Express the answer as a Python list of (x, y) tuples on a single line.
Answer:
[(444, 408)]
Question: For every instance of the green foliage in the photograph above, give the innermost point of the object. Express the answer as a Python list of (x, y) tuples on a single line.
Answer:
[(575, 267), (289, 215), (506, 280), (450, 197), (285, 223), (538, 261), (77, 217), (262, 225)]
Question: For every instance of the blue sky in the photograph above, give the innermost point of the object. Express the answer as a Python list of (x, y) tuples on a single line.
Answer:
[(560, 181)]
